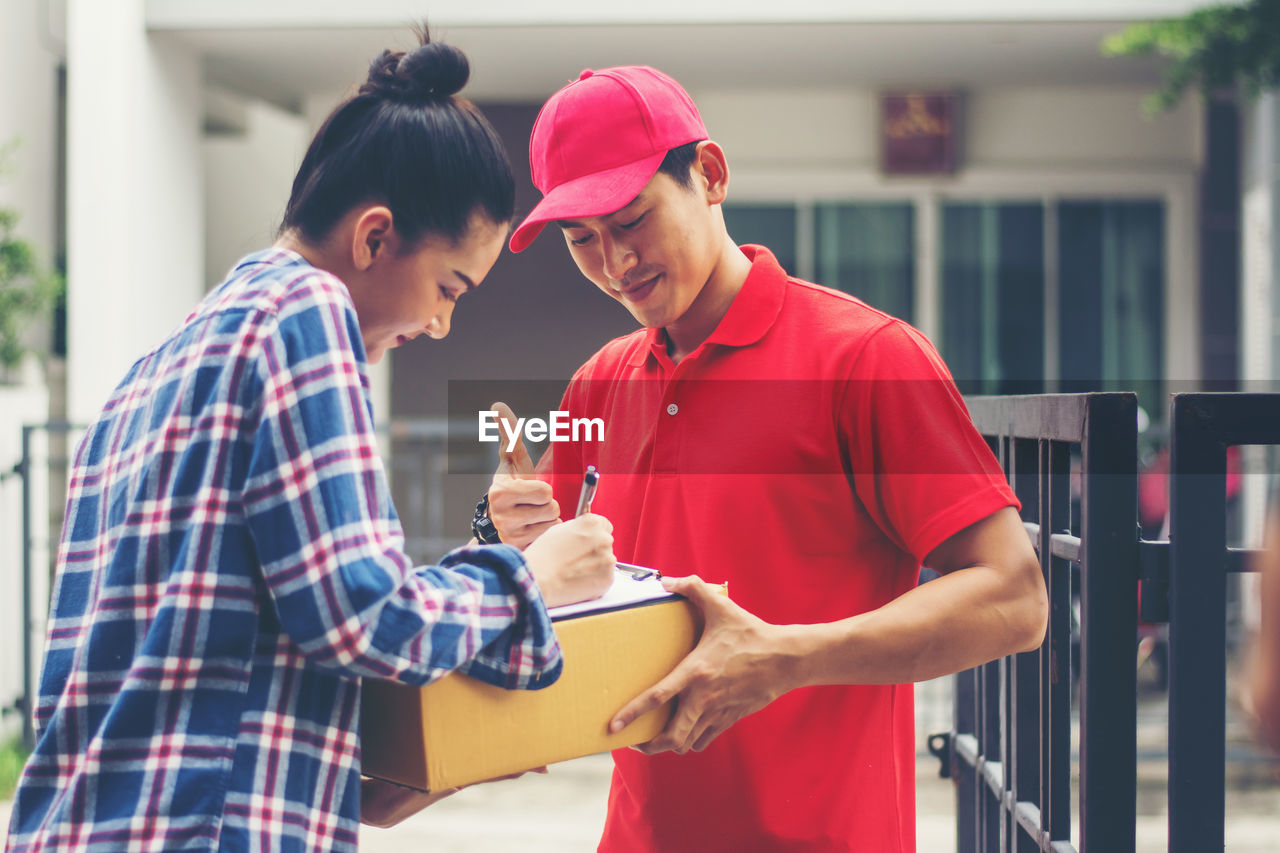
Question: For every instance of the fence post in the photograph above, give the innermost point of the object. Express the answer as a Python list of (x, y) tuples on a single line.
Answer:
[(28, 613), (1109, 626), (1197, 631)]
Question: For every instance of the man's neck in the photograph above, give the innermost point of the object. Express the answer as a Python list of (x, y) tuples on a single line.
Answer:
[(694, 326)]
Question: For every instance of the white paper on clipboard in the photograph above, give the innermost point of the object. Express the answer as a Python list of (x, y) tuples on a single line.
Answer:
[(626, 591)]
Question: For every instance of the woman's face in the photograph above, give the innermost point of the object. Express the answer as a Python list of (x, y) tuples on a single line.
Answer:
[(411, 293)]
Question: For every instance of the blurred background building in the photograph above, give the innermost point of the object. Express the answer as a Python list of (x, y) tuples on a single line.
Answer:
[(1053, 238)]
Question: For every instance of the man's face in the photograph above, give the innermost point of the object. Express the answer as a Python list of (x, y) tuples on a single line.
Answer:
[(654, 255)]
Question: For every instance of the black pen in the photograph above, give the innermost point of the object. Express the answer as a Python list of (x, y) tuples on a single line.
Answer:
[(589, 481)]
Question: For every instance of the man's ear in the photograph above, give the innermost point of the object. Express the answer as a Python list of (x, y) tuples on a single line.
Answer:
[(711, 167), (372, 236)]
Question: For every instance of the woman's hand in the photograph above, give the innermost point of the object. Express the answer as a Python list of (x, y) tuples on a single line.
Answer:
[(384, 804), (573, 561)]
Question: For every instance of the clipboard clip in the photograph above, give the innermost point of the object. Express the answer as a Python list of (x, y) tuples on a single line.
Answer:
[(639, 573)]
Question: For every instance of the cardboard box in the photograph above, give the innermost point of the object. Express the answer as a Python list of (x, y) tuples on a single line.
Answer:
[(457, 730)]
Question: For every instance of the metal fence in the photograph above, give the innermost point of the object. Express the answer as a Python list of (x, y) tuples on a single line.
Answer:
[(1010, 747), (1203, 426), (422, 461), (41, 469)]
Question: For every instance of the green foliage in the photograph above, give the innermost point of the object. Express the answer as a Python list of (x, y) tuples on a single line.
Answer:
[(26, 290), (1215, 47), (12, 756)]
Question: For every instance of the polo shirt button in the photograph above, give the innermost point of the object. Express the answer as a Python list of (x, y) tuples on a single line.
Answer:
[(672, 409)]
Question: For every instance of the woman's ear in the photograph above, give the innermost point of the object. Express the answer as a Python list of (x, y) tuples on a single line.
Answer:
[(713, 169), (371, 238)]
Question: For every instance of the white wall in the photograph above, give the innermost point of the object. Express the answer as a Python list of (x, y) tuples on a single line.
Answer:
[(135, 228), (1048, 129), (247, 177), (340, 13)]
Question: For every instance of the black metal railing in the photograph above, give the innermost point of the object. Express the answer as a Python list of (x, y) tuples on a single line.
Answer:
[(1203, 426), (421, 463), (1010, 750)]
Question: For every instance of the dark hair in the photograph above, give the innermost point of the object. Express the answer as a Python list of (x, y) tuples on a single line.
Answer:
[(407, 141), (678, 163)]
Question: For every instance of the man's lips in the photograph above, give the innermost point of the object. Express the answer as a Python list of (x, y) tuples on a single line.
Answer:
[(637, 292)]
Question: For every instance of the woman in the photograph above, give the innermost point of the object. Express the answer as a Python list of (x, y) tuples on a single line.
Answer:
[(231, 565)]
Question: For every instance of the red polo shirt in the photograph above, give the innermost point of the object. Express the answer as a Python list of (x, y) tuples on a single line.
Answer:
[(810, 453)]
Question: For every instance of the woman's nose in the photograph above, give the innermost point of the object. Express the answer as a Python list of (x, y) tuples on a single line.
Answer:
[(439, 326)]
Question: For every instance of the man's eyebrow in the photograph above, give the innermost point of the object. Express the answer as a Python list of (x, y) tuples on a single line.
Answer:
[(471, 285), (571, 223)]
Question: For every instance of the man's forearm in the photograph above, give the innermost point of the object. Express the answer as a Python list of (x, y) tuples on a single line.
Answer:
[(955, 622)]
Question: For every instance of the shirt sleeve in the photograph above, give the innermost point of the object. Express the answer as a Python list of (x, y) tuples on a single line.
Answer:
[(331, 547), (918, 464)]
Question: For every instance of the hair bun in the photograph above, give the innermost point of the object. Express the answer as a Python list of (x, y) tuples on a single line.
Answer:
[(432, 71)]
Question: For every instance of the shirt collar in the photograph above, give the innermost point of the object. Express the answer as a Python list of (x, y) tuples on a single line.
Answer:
[(272, 256), (751, 313)]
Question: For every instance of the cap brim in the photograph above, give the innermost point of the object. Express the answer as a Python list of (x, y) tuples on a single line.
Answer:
[(597, 194)]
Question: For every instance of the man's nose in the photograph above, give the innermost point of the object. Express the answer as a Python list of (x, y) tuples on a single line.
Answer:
[(619, 258)]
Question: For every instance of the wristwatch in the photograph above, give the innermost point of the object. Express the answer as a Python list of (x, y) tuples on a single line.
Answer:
[(481, 525)]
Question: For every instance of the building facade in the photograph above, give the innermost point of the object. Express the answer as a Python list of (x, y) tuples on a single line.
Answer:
[(1074, 243)]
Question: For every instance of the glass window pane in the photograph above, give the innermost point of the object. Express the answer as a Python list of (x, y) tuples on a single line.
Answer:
[(1111, 281), (771, 226), (993, 296), (868, 250)]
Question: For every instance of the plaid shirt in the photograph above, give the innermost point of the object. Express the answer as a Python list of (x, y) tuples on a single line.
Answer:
[(231, 566)]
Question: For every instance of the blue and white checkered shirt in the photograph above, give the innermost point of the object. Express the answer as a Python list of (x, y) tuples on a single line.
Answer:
[(231, 566)]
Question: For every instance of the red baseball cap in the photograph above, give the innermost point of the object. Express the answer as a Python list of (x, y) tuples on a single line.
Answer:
[(599, 140)]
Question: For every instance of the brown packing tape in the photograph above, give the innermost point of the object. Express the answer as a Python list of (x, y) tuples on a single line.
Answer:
[(457, 730)]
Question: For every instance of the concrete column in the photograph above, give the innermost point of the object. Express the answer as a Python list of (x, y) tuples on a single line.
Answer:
[(1260, 248), (1259, 305), (30, 51), (135, 195)]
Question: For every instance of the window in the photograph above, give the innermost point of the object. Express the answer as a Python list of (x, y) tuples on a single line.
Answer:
[(992, 334), (773, 227), (868, 250), (1029, 296), (1111, 298)]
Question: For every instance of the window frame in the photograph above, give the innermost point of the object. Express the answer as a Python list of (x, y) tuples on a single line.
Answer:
[(1174, 187)]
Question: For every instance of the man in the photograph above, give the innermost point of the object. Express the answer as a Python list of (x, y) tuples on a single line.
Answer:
[(806, 448)]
